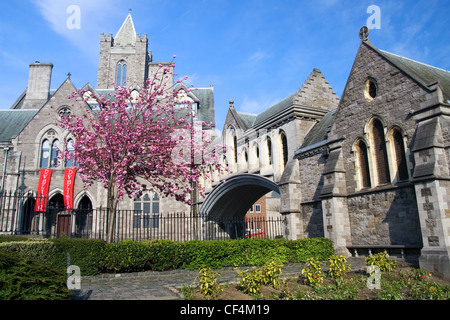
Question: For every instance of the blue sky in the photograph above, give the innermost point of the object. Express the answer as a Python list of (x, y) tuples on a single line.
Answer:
[(256, 52)]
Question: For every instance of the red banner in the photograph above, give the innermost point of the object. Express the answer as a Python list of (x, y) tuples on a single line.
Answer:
[(69, 180), (42, 192)]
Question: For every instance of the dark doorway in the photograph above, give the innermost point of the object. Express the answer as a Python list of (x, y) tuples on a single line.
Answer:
[(83, 217), (30, 220)]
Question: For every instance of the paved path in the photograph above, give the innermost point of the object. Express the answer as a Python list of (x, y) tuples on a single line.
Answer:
[(161, 285)]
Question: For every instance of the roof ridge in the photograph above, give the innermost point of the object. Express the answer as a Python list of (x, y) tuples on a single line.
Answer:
[(415, 61)]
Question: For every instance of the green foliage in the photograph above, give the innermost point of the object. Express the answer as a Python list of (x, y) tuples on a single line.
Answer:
[(25, 279), (96, 256), (129, 256), (382, 261), (338, 267), (252, 280), (313, 272), (84, 253), (208, 283)]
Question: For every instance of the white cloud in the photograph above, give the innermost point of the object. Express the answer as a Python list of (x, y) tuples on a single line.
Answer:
[(258, 56)]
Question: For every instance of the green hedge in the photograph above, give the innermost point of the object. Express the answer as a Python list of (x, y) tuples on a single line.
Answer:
[(131, 256), (95, 256)]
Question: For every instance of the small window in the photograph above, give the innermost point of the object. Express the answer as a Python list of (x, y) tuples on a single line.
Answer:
[(257, 208), (370, 90)]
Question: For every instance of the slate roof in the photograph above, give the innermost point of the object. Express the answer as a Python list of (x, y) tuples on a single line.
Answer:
[(319, 132), (13, 122), (421, 72), (276, 108), (247, 118)]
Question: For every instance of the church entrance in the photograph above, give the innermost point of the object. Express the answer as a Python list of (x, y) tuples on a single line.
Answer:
[(58, 221)]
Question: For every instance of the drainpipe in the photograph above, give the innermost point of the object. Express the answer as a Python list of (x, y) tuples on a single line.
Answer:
[(5, 149)]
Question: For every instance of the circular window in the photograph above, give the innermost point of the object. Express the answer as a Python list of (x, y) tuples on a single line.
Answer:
[(64, 111), (370, 89)]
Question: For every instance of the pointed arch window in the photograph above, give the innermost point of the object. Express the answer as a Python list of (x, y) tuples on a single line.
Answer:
[(269, 150), (363, 164), (45, 153), (284, 146), (54, 154), (400, 156), (121, 77), (380, 153), (70, 148)]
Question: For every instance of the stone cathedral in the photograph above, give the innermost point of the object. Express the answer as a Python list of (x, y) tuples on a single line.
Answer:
[(370, 171)]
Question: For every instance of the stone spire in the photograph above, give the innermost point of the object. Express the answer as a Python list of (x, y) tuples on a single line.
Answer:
[(126, 36)]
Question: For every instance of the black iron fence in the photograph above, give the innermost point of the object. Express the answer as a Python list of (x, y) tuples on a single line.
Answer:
[(18, 215)]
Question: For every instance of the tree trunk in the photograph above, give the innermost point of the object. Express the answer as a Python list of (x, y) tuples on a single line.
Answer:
[(111, 214)]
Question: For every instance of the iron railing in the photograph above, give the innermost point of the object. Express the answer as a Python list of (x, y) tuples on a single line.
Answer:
[(18, 216)]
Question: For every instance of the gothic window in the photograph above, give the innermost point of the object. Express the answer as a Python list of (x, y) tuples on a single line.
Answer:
[(269, 149), (121, 73), (284, 146), (245, 158), (146, 211), (70, 148), (45, 153), (232, 138), (380, 154), (363, 164), (54, 154), (400, 156)]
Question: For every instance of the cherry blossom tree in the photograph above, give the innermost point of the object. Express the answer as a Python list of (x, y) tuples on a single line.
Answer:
[(148, 142)]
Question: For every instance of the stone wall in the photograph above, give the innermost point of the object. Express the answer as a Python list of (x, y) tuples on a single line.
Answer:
[(386, 217)]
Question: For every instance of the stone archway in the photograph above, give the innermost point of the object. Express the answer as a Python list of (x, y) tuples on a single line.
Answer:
[(233, 198)]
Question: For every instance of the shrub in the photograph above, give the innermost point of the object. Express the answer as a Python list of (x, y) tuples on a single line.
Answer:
[(25, 279), (208, 283), (251, 280), (382, 261), (338, 267), (84, 253), (94, 256), (313, 272)]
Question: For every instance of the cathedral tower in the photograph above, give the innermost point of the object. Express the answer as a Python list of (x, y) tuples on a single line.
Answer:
[(123, 58)]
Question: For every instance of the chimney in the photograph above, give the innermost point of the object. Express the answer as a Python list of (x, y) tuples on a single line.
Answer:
[(38, 89)]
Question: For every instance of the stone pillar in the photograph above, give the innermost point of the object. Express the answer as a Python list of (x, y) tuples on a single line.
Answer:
[(432, 185), (434, 214), (336, 220), (290, 198)]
